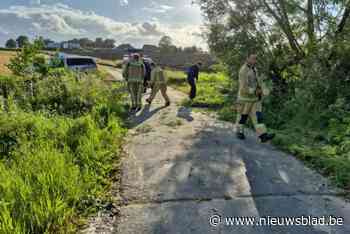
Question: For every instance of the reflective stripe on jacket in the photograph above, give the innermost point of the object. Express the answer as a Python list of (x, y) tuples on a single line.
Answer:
[(134, 71)]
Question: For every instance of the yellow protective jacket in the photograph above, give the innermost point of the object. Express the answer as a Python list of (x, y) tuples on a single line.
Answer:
[(134, 71), (158, 76), (249, 82)]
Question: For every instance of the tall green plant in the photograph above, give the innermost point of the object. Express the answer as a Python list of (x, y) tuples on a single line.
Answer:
[(29, 61)]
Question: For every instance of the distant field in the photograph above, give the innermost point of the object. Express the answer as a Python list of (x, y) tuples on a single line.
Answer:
[(5, 57), (177, 79)]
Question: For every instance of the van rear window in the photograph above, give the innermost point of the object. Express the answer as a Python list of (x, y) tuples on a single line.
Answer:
[(80, 61)]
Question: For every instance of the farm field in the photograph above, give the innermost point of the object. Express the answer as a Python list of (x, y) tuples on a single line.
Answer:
[(5, 57)]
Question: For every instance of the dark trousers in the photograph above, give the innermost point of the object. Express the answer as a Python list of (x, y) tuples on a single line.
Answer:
[(146, 81), (192, 83)]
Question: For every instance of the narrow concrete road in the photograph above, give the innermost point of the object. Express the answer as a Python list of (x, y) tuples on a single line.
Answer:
[(183, 168)]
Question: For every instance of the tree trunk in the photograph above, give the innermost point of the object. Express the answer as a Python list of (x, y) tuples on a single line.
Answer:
[(344, 19), (310, 23), (340, 29)]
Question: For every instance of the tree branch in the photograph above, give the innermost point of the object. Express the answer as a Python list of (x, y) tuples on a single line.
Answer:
[(289, 32), (292, 3), (344, 19), (310, 21)]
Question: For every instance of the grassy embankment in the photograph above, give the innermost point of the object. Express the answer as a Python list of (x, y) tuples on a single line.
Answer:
[(325, 148), (60, 145)]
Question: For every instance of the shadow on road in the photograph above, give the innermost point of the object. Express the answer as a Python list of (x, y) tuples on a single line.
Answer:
[(179, 176), (220, 175), (145, 114), (185, 113)]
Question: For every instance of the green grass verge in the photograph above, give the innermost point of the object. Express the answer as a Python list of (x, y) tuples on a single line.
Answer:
[(58, 150), (214, 91), (319, 149)]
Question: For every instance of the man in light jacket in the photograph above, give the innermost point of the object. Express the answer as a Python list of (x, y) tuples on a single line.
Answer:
[(159, 83)]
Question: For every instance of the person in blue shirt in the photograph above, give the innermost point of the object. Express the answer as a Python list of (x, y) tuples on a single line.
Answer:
[(192, 78)]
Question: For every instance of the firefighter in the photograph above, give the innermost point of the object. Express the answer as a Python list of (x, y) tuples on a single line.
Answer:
[(134, 73), (148, 70), (158, 82), (252, 88)]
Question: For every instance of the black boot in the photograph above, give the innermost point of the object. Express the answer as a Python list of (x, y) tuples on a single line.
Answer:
[(240, 135), (132, 110), (267, 137), (138, 109)]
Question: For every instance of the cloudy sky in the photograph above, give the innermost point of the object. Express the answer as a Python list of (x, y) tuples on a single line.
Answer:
[(127, 21)]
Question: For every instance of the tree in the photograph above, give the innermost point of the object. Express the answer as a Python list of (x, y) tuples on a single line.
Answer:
[(75, 40), (48, 41), (165, 42), (303, 24), (192, 49), (99, 43), (86, 43), (302, 44), (109, 43), (166, 45), (40, 42), (22, 41), (22, 64), (11, 43)]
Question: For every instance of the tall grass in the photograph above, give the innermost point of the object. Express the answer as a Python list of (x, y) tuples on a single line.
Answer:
[(57, 148)]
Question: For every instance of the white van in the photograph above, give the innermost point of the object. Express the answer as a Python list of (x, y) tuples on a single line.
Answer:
[(78, 63)]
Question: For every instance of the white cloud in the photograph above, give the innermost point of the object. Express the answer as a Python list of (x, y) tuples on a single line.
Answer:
[(124, 2), (158, 8), (61, 22)]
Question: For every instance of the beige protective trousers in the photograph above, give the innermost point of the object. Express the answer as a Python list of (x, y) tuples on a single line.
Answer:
[(136, 89), (252, 110), (163, 89)]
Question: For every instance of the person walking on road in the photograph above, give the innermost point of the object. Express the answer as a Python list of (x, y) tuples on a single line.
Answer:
[(158, 82), (192, 78), (134, 73), (252, 88), (148, 70)]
